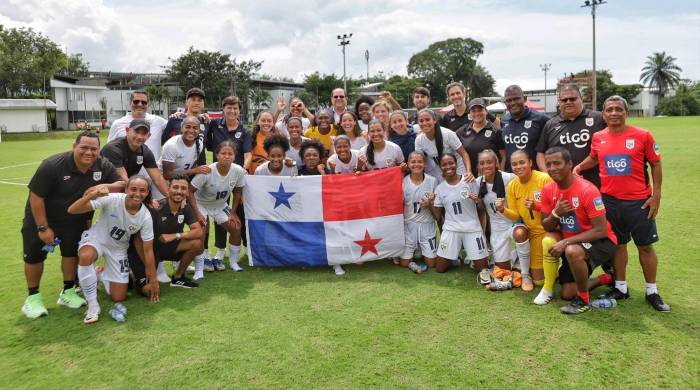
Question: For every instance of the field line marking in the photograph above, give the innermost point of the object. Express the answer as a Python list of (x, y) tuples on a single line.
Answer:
[(12, 183), (20, 165)]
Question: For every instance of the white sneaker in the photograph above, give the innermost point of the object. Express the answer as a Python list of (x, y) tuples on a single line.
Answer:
[(484, 276), (234, 266), (198, 276), (92, 314), (162, 276), (543, 298), (339, 271)]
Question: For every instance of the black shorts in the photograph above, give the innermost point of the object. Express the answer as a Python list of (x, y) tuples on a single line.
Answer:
[(160, 251), (629, 220), (69, 233), (598, 253)]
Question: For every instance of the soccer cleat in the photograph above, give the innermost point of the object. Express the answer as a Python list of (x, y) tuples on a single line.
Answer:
[(34, 307), (92, 314), (339, 271), (657, 303), (576, 306), (183, 282), (208, 265), (69, 298), (234, 266), (484, 276), (543, 298), (527, 285), (218, 265), (615, 294)]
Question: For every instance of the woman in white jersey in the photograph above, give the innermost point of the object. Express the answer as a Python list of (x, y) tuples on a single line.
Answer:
[(121, 216), (295, 128), (419, 224), (455, 205), (380, 153), (350, 128), (181, 152), (346, 159), (434, 141), (276, 147), (492, 187), (208, 197)]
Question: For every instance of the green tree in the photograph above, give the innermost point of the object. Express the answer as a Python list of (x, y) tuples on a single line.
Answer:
[(683, 103), (660, 71), (318, 88), (481, 83), (159, 94), (28, 60), (606, 88), (401, 88), (76, 66), (447, 61)]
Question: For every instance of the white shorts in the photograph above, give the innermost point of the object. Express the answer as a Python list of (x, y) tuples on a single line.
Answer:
[(116, 259), (218, 214), (473, 243), (502, 244), (420, 234)]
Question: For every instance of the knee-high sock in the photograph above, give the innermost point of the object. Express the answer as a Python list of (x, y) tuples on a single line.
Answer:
[(233, 252), (550, 264), (523, 250), (88, 281), (199, 263)]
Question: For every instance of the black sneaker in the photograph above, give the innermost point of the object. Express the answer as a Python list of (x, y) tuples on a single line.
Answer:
[(657, 303), (615, 294), (576, 306), (183, 282)]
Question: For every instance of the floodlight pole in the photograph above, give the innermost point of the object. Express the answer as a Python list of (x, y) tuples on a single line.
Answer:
[(545, 68), (367, 61), (593, 4), (344, 41)]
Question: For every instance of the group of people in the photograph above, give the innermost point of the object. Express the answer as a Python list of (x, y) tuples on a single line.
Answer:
[(525, 199)]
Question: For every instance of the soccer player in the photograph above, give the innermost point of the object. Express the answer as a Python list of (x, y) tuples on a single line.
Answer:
[(401, 134), (480, 134), (181, 152), (572, 129), (312, 152), (209, 196), (455, 206), (297, 109), (380, 153), (58, 182), (194, 105), (434, 141), (294, 126), (349, 127), (458, 117), (622, 152), (264, 127), (363, 109), (421, 100), (419, 224), (129, 154), (345, 159), (522, 205), (324, 131), (276, 147), (122, 216), (380, 110), (573, 208), (521, 126), (171, 242)]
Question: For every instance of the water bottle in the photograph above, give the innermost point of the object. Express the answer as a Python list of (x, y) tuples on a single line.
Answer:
[(419, 269), (604, 303)]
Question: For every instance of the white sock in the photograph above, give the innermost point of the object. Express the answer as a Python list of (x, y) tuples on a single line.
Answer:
[(651, 288), (199, 264), (523, 250), (88, 282), (338, 270), (233, 252), (221, 253), (161, 269), (621, 285)]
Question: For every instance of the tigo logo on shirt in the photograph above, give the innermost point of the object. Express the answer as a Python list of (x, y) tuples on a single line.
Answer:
[(618, 165), (569, 223)]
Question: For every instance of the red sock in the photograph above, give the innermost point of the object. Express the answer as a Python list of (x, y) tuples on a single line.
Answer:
[(585, 295), (605, 279)]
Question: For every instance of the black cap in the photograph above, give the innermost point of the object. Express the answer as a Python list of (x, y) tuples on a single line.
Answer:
[(476, 102), (139, 123), (195, 92)]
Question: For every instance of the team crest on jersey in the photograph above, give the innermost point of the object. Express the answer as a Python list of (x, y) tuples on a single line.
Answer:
[(586, 245), (66, 178), (181, 218), (238, 135), (527, 124), (201, 127), (488, 133), (589, 122), (231, 185), (574, 201), (629, 143), (389, 161), (132, 229), (426, 194), (657, 150), (96, 176), (464, 193), (139, 159), (538, 196), (598, 203), (163, 219)]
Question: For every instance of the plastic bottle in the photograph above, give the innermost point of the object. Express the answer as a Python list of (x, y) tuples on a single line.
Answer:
[(604, 303), (419, 269)]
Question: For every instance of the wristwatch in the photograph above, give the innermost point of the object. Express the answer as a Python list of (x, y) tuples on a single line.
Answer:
[(42, 228), (178, 236)]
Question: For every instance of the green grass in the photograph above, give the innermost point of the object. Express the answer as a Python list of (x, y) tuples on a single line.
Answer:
[(379, 326)]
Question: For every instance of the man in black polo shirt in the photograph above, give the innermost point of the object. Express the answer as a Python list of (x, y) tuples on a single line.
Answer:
[(129, 154), (59, 181), (421, 99), (458, 117), (572, 129), (521, 127), (172, 242), (479, 135)]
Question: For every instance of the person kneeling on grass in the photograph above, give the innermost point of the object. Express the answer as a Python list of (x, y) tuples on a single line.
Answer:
[(122, 216), (573, 208), (172, 242)]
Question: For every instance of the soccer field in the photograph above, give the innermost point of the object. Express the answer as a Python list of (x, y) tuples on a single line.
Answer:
[(377, 326)]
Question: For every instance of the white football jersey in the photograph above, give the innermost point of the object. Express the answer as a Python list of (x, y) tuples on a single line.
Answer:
[(282, 126), (413, 194), (115, 225), (341, 167), (460, 211), (391, 156), (358, 143), (175, 151), (213, 189), (263, 170), (498, 220), (118, 129), (450, 144)]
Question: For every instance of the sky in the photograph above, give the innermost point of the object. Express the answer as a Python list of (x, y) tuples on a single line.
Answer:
[(294, 38)]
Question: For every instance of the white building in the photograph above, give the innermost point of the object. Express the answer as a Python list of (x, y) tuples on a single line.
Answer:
[(25, 115), (76, 104)]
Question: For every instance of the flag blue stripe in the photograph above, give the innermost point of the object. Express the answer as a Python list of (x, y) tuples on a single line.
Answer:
[(287, 244)]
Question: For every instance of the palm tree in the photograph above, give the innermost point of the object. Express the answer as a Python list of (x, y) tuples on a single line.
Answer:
[(660, 71)]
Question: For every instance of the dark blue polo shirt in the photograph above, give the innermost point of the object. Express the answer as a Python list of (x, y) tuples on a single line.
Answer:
[(522, 134), (218, 133)]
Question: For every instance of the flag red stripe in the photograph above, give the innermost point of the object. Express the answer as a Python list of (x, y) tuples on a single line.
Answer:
[(369, 195)]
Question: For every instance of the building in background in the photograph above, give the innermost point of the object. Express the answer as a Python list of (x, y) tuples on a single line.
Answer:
[(25, 115)]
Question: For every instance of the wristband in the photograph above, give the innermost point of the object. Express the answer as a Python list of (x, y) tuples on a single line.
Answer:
[(554, 214)]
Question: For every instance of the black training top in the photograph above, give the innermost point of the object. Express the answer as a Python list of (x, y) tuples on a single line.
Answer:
[(475, 142), (575, 136), (522, 134), (165, 222), (218, 132), (59, 182), (455, 122), (119, 154)]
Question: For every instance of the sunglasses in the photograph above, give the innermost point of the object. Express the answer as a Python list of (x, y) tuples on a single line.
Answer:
[(139, 102), (339, 97), (569, 99)]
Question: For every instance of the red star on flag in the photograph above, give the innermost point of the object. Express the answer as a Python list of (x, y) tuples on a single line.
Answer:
[(369, 244)]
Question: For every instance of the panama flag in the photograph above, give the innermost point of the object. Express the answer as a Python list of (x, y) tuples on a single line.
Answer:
[(324, 220)]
